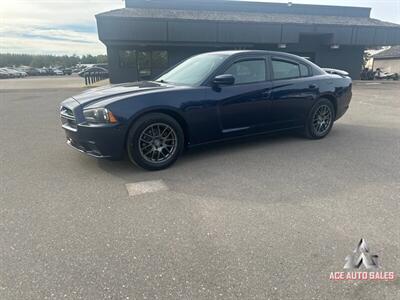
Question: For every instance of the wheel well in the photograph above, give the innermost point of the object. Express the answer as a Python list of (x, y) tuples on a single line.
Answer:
[(332, 100), (170, 113)]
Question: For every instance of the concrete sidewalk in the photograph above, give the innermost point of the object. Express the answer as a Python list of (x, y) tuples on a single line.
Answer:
[(47, 82)]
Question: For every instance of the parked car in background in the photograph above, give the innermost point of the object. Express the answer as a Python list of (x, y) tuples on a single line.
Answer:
[(10, 74), (67, 71), (382, 75), (50, 72), (16, 73), (13, 73), (57, 72), (378, 74), (43, 71), (31, 71), (104, 66), (207, 98), (92, 70), (22, 73), (4, 74)]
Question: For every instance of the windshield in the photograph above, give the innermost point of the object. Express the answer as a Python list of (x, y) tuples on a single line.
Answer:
[(194, 70)]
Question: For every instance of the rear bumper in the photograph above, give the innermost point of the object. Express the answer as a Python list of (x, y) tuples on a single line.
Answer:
[(341, 111), (343, 103)]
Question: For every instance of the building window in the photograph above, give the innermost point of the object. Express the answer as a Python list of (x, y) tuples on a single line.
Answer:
[(149, 64), (144, 65), (127, 59), (160, 59)]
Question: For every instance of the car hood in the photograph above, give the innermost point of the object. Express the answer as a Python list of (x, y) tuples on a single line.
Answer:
[(126, 89)]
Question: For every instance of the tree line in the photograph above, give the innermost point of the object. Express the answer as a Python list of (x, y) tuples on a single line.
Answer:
[(39, 61)]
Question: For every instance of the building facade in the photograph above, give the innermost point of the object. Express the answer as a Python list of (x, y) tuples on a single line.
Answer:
[(388, 60), (149, 36)]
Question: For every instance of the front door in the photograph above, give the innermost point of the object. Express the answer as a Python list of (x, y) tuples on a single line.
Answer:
[(244, 107)]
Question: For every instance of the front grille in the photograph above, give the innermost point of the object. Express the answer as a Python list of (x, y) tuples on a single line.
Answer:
[(67, 118)]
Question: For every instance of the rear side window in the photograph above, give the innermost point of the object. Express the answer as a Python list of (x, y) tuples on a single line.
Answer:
[(304, 71), (248, 71), (284, 69)]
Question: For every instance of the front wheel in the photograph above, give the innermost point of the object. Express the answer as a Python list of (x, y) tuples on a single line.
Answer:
[(320, 120), (155, 141)]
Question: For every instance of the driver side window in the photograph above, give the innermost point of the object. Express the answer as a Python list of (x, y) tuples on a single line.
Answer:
[(248, 71)]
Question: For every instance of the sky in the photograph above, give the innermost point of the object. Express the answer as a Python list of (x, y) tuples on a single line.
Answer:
[(69, 27)]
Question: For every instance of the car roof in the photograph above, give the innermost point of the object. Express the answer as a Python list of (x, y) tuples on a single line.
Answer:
[(267, 52), (289, 56), (259, 52)]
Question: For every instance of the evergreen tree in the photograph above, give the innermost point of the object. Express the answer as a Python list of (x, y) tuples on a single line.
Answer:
[(40, 61)]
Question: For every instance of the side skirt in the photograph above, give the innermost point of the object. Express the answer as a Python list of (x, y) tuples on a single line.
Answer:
[(244, 136)]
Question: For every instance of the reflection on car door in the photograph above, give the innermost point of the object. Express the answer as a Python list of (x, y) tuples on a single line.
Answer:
[(245, 106), (292, 94)]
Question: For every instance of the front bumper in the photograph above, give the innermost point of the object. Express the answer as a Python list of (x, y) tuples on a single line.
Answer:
[(100, 141), (83, 149)]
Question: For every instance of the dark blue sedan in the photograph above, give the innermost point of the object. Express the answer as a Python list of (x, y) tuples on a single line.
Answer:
[(206, 98)]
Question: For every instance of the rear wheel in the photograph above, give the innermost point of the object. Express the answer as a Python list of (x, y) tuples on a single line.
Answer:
[(320, 120), (155, 141)]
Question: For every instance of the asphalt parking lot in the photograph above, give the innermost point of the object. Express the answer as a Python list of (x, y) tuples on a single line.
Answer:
[(264, 218)]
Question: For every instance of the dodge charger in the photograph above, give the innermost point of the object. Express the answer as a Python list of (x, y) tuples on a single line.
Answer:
[(207, 98)]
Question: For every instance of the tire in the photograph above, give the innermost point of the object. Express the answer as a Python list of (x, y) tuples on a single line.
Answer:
[(320, 120), (155, 141)]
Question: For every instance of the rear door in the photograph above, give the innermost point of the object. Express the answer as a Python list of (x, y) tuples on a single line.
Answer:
[(293, 92)]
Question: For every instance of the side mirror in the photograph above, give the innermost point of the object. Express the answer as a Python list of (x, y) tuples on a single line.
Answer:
[(226, 79)]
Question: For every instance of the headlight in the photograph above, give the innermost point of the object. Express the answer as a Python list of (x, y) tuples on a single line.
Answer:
[(99, 116)]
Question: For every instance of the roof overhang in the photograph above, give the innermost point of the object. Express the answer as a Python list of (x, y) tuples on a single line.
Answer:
[(391, 53), (143, 25)]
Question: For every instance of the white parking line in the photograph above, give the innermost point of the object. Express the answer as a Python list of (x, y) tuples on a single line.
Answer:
[(139, 188)]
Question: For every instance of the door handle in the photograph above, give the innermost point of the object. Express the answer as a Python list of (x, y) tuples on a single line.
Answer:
[(266, 94), (313, 86)]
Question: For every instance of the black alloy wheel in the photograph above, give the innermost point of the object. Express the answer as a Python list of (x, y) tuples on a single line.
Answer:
[(320, 120), (155, 141)]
